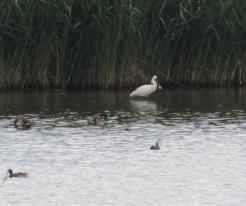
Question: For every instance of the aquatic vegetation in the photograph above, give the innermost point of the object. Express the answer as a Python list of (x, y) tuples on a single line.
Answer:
[(117, 44)]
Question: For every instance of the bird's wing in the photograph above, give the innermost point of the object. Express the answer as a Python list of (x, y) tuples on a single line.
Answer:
[(141, 91)]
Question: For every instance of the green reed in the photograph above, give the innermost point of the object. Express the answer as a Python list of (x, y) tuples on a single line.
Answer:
[(121, 43)]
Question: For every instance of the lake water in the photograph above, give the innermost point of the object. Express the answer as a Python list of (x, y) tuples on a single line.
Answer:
[(202, 160)]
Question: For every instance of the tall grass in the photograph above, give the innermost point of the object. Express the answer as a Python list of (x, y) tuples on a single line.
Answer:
[(121, 43)]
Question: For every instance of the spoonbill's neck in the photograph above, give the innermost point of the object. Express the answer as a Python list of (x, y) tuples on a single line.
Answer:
[(154, 82)]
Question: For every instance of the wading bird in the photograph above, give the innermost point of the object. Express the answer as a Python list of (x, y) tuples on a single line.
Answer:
[(146, 90)]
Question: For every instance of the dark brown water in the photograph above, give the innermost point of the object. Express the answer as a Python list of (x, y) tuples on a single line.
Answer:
[(202, 160)]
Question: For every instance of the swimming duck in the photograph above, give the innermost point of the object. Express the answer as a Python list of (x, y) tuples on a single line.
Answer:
[(16, 174), (11, 174), (22, 123), (155, 147), (94, 119)]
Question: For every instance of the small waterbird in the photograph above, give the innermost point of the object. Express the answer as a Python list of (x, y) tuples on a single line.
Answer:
[(155, 147), (146, 90), (22, 123), (94, 119), (11, 174)]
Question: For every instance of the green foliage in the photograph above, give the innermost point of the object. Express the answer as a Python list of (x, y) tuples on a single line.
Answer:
[(121, 43)]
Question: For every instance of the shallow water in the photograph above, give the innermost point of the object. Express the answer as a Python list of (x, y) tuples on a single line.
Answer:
[(202, 160)]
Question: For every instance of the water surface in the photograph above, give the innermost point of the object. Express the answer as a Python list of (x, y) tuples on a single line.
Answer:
[(202, 160)]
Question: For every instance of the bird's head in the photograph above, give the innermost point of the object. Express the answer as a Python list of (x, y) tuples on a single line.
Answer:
[(10, 172), (154, 79)]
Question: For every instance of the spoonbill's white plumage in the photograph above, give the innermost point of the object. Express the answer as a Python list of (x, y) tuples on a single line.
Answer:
[(146, 90)]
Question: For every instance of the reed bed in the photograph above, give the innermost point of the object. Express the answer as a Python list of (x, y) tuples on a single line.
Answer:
[(121, 43)]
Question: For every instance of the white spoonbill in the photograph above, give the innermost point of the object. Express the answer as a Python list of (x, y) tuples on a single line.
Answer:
[(146, 90)]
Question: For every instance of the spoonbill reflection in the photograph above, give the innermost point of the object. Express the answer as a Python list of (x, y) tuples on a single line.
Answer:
[(144, 106), (146, 90)]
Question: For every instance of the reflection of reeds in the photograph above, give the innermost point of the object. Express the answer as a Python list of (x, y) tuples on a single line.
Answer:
[(77, 43)]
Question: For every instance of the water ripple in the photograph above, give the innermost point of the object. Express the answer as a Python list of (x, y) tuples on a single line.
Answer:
[(201, 161)]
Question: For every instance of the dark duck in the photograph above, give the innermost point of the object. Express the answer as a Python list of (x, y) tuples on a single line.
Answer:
[(95, 119), (22, 123), (155, 147), (16, 174), (11, 174)]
